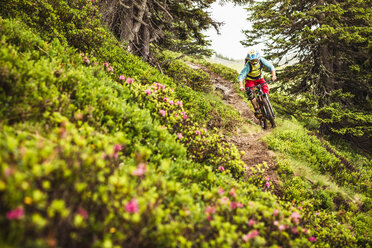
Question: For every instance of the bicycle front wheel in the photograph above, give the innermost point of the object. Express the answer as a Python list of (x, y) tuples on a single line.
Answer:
[(269, 110)]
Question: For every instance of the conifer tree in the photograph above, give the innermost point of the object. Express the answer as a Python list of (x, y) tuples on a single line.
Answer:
[(326, 47), (329, 41), (175, 25)]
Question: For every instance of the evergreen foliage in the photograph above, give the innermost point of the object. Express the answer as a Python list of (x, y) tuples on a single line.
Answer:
[(172, 25), (328, 43), (99, 149)]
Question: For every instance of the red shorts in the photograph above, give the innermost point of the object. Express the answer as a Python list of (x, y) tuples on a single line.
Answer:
[(251, 84)]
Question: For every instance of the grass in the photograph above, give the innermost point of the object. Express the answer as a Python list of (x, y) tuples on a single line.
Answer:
[(305, 170), (236, 65)]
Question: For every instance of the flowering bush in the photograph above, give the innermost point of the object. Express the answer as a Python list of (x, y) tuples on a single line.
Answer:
[(89, 161)]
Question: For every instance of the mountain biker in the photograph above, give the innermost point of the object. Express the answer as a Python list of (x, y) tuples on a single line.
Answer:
[(252, 73)]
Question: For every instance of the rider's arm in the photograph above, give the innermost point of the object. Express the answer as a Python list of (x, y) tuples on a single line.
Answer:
[(243, 74), (270, 67)]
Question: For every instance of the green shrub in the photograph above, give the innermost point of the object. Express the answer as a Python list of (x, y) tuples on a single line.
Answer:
[(296, 142), (76, 22), (89, 159)]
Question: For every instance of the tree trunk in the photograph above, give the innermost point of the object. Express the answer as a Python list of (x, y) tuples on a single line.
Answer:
[(126, 23), (145, 34), (326, 70)]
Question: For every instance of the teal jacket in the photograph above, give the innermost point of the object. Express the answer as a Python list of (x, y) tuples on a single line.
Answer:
[(247, 68)]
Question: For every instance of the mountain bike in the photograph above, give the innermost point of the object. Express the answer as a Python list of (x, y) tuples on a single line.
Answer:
[(265, 108)]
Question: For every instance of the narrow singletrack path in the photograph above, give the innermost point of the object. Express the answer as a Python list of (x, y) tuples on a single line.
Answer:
[(250, 142)]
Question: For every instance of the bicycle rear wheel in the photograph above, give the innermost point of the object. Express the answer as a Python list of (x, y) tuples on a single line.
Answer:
[(269, 110)]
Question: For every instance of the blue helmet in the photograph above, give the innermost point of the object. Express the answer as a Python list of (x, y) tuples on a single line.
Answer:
[(253, 56)]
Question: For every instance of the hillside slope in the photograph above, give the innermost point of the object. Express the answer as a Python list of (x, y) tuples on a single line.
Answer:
[(99, 149)]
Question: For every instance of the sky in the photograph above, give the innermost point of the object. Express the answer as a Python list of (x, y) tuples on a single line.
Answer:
[(228, 42)]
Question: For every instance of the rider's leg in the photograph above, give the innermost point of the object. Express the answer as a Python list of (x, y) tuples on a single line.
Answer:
[(253, 100), (257, 112), (265, 89)]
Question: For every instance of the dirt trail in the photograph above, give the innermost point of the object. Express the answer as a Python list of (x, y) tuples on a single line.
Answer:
[(256, 151)]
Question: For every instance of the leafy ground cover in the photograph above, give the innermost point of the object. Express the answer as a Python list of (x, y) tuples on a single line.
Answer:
[(99, 149)]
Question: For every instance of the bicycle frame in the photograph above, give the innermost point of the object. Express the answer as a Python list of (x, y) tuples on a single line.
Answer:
[(264, 107)]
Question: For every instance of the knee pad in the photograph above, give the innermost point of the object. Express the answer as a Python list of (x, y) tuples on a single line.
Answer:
[(250, 93)]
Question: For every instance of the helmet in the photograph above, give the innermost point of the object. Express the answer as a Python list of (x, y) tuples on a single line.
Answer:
[(253, 56)]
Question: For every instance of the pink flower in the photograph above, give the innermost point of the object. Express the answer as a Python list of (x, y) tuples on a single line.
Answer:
[(233, 205), (81, 211), (295, 216), (221, 168), (104, 156), (162, 112), (165, 99), (205, 130), (140, 171), (267, 178), (267, 184), (179, 103), (294, 230), (110, 68), (221, 191), (148, 92), (224, 200), (172, 90), (252, 222), (197, 132), (15, 214), (117, 148), (312, 239), (130, 80), (121, 77), (276, 223), (183, 112), (276, 212), (209, 217), (105, 64), (282, 227), (159, 86), (132, 206), (171, 102), (250, 235), (179, 135), (7, 172), (240, 205), (210, 210), (184, 117), (232, 192)]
